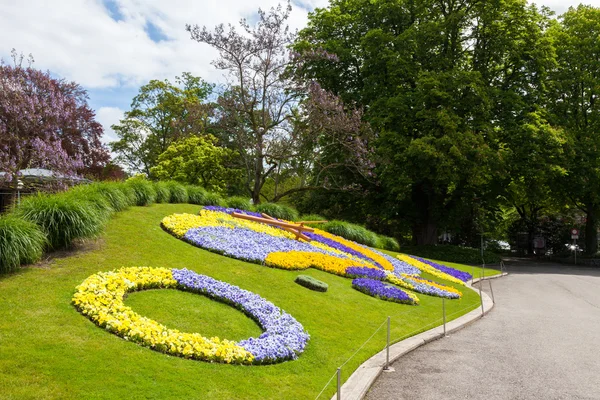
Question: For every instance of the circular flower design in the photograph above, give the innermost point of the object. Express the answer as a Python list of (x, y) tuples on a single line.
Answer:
[(100, 298)]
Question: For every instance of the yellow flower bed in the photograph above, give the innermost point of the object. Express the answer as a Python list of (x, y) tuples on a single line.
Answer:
[(304, 260), (361, 249), (100, 298), (428, 268), (179, 224)]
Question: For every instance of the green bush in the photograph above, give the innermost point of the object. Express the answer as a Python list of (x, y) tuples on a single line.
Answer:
[(213, 199), (311, 283), (21, 242), (107, 197), (350, 231), (387, 243), (163, 194), (311, 217), (450, 253), (143, 190), (239, 202), (279, 211), (179, 193), (63, 217), (196, 195)]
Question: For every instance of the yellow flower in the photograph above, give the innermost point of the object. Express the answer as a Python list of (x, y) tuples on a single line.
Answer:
[(428, 268)]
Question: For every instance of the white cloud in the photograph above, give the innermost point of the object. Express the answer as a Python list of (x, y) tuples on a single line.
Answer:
[(78, 39), (109, 116)]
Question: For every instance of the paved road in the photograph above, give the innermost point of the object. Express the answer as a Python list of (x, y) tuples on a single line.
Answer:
[(541, 341)]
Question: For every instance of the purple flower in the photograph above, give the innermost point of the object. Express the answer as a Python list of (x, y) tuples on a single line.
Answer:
[(245, 244), (364, 272), (463, 276), (420, 285), (228, 210), (339, 246), (400, 267), (382, 291), (283, 337)]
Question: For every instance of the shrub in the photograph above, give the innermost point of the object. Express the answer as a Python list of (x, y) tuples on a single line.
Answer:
[(21, 242), (387, 243), (213, 199), (179, 193), (106, 196), (163, 194), (239, 202), (143, 190), (62, 217), (350, 231), (279, 211), (311, 283), (311, 217), (450, 253), (196, 195)]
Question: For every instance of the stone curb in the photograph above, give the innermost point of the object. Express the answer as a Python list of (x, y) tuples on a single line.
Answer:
[(361, 380)]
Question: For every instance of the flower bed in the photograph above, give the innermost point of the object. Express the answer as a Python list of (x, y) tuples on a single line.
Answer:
[(430, 269), (216, 230), (424, 286), (380, 290), (100, 298)]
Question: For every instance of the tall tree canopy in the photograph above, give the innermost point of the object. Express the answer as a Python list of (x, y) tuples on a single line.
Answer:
[(575, 107), (45, 123), (160, 114), (453, 88)]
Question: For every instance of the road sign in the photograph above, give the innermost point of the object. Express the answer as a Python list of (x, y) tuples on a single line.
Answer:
[(574, 231)]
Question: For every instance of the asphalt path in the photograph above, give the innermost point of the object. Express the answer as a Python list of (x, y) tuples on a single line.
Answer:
[(540, 341)]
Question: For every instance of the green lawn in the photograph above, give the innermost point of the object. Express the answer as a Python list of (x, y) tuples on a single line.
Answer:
[(48, 350)]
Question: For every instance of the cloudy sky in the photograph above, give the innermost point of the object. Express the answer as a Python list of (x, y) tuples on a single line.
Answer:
[(112, 47)]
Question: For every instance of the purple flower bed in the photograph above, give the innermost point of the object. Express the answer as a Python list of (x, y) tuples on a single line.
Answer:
[(338, 246), (463, 276), (382, 291), (421, 286), (284, 337), (400, 267), (245, 244), (231, 210), (364, 272)]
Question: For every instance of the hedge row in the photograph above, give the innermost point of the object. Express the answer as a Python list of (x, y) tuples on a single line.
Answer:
[(450, 253), (47, 222), (357, 233)]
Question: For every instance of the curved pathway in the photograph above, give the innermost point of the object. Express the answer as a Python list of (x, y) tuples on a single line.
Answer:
[(540, 341)]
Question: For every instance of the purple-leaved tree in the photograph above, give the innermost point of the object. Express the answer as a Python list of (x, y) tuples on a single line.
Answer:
[(45, 123)]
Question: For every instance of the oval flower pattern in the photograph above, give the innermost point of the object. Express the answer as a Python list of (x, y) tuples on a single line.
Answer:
[(375, 273), (100, 298)]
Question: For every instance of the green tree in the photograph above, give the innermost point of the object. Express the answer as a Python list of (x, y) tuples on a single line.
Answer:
[(197, 160), (576, 107), (160, 114), (446, 84)]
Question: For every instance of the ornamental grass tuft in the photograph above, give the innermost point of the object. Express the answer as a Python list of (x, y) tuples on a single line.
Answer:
[(239, 202), (163, 194), (196, 195), (279, 211), (213, 199), (21, 242), (143, 190), (179, 194), (387, 243), (63, 217), (354, 232)]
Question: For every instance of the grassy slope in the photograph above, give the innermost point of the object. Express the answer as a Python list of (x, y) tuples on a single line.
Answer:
[(49, 350)]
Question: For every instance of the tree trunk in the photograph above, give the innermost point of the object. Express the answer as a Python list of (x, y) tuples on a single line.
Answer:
[(425, 228), (591, 230)]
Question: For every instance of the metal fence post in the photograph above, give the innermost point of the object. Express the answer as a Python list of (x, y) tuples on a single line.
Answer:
[(492, 291), (339, 383), (444, 314), (387, 355), (481, 297)]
